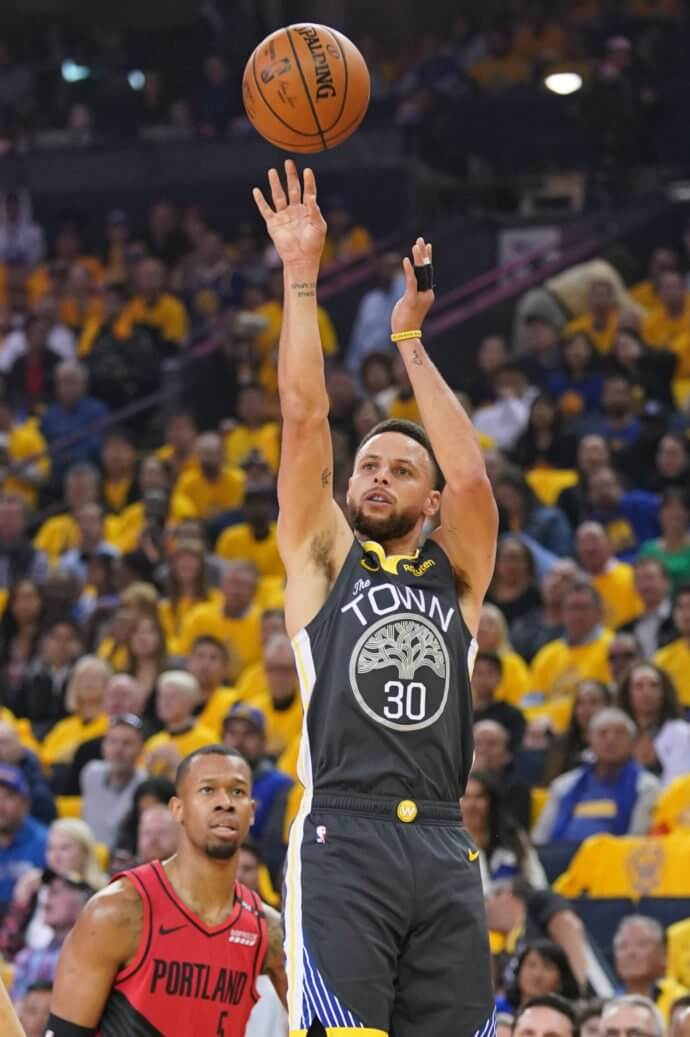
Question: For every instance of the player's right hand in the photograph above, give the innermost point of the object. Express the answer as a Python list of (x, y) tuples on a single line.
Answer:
[(295, 223)]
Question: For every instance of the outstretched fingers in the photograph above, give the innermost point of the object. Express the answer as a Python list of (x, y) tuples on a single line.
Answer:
[(261, 203), (277, 192), (293, 184), (421, 252), (410, 279)]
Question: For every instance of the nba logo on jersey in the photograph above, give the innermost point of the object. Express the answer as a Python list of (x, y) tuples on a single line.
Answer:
[(321, 834)]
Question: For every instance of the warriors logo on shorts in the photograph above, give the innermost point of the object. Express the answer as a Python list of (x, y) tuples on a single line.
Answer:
[(399, 672)]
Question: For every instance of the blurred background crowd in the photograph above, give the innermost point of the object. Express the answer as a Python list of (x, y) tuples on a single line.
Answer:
[(141, 590)]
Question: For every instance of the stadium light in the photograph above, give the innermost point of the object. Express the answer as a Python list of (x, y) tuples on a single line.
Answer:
[(74, 73), (563, 83), (136, 79)]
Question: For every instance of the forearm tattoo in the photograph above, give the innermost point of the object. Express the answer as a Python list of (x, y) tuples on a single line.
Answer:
[(325, 477), (416, 358), (304, 289)]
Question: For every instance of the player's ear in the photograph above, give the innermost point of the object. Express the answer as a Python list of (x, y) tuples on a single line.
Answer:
[(175, 806), (433, 504)]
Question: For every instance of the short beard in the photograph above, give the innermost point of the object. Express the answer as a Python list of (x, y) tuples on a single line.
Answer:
[(221, 851), (392, 527)]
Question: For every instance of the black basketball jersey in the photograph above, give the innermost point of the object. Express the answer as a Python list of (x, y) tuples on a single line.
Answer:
[(385, 676)]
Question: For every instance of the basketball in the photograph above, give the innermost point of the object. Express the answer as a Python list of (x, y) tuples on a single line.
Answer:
[(306, 88)]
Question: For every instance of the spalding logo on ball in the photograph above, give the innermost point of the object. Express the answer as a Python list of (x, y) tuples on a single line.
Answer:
[(306, 88)]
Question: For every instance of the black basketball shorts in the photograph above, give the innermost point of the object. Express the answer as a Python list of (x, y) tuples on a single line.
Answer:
[(386, 934)]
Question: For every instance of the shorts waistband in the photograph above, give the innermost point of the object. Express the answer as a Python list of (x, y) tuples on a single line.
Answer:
[(388, 808)]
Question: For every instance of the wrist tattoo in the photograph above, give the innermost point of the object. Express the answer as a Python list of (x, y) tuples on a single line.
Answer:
[(304, 289), (416, 358), (325, 477)]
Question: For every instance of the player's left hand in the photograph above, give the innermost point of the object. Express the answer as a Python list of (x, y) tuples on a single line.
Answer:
[(411, 309)]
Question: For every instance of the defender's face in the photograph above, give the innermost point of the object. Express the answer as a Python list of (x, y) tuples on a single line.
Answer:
[(214, 805), (391, 488)]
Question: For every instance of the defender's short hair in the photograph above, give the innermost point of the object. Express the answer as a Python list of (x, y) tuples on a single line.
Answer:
[(413, 431), (206, 750)]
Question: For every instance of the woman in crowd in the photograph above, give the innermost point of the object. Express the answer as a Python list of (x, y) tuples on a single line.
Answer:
[(148, 658), (662, 746), (672, 464), (544, 443), (187, 587), (524, 514), (514, 585), (652, 369), (148, 794), (673, 546), (576, 386), (567, 751), (70, 850), (593, 453), (492, 636), (504, 848), (20, 631), (85, 702), (542, 968)]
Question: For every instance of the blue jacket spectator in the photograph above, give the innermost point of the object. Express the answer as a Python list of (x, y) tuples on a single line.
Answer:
[(613, 795), (521, 512), (629, 517), (22, 839), (72, 413), (371, 329), (12, 752)]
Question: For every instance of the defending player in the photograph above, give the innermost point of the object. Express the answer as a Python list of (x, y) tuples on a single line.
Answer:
[(175, 948)]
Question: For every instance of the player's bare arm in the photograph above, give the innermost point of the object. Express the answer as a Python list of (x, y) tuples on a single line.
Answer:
[(9, 1024), (469, 517), (104, 939), (274, 962), (313, 534)]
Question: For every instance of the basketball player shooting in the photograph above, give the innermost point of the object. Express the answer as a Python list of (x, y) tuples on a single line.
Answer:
[(384, 914), (174, 949)]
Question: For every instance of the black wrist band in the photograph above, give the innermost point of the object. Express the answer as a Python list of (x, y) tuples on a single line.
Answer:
[(425, 277), (58, 1027)]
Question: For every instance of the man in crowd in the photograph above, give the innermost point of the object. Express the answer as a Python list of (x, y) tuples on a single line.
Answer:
[(245, 730), (34, 1008), (208, 663), (613, 794), (639, 949), (108, 785), (282, 705), (581, 652), (66, 897), (236, 621), (654, 628), (19, 559), (613, 579), (492, 753), (13, 753), (41, 695), (177, 694), (22, 838), (92, 543), (630, 517), (548, 1015), (631, 1014), (73, 413), (486, 677)]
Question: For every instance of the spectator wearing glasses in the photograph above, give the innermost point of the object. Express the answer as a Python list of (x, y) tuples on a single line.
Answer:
[(632, 1015), (108, 785), (623, 652)]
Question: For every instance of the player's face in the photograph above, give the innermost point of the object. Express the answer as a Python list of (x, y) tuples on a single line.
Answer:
[(391, 489), (215, 807)]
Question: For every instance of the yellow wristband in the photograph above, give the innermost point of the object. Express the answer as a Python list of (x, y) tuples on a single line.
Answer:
[(403, 336)]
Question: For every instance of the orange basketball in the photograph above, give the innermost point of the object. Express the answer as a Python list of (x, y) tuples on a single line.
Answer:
[(306, 88)]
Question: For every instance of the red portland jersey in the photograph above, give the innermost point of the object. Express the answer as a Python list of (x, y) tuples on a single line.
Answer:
[(187, 980)]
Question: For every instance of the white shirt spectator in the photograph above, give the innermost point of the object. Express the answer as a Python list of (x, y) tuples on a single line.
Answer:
[(506, 419), (60, 341), (372, 327)]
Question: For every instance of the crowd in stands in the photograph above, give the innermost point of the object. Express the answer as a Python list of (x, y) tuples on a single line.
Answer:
[(78, 86), (141, 589)]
